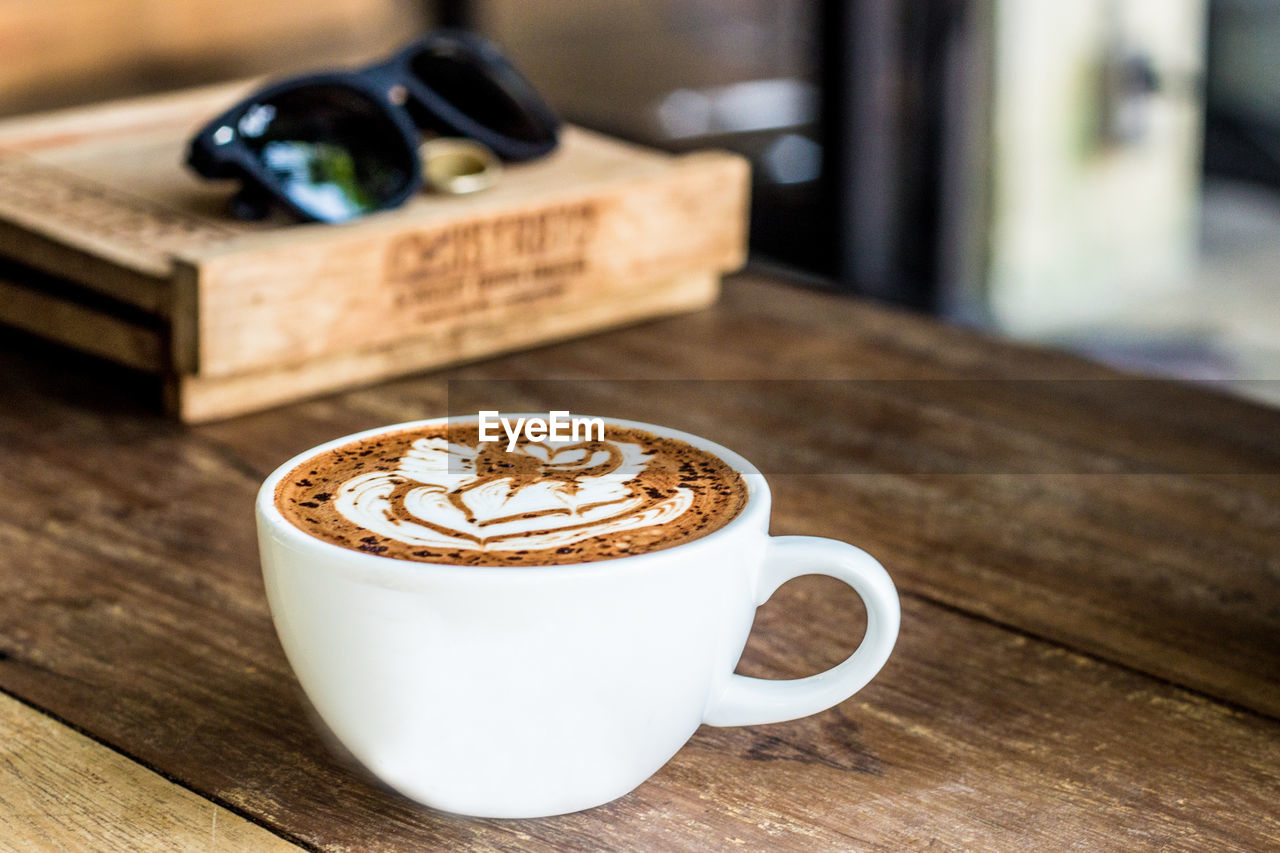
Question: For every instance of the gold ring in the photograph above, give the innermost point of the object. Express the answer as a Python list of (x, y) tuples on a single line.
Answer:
[(458, 166)]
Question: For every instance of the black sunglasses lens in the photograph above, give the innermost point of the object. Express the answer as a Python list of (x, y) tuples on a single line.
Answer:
[(331, 150), (493, 95)]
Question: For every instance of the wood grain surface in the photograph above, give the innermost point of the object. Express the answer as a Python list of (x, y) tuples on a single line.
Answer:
[(1088, 567), (61, 791), (54, 309), (196, 399)]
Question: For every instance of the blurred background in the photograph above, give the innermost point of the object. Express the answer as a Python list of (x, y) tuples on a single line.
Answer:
[(1099, 175)]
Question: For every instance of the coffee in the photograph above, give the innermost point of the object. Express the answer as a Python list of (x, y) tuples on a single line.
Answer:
[(438, 494), (557, 688)]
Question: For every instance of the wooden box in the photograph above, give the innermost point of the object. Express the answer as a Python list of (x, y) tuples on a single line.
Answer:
[(111, 246)]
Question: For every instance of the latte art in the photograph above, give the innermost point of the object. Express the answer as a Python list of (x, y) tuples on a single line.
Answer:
[(436, 497), (445, 496)]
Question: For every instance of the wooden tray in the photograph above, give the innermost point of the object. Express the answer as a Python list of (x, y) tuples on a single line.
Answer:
[(113, 247)]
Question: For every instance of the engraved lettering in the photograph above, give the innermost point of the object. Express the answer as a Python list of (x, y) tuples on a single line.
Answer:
[(464, 269)]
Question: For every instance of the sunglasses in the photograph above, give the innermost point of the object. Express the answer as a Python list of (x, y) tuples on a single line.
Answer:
[(332, 146)]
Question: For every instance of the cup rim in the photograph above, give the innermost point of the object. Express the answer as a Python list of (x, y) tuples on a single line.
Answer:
[(279, 527)]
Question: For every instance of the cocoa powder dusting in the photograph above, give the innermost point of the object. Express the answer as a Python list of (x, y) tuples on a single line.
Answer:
[(671, 467)]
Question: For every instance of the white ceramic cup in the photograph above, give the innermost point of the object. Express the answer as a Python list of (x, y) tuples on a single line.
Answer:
[(533, 691)]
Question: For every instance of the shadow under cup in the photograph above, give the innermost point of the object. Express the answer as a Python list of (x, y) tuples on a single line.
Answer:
[(538, 690)]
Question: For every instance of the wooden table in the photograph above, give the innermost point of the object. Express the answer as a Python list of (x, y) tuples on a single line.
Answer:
[(1089, 568)]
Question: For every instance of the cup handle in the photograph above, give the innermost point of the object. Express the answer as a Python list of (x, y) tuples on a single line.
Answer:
[(749, 701)]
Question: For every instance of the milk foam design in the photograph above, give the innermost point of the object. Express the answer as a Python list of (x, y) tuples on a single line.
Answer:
[(542, 495)]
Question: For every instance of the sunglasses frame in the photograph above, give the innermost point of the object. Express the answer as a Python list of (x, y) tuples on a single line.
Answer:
[(410, 103)]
